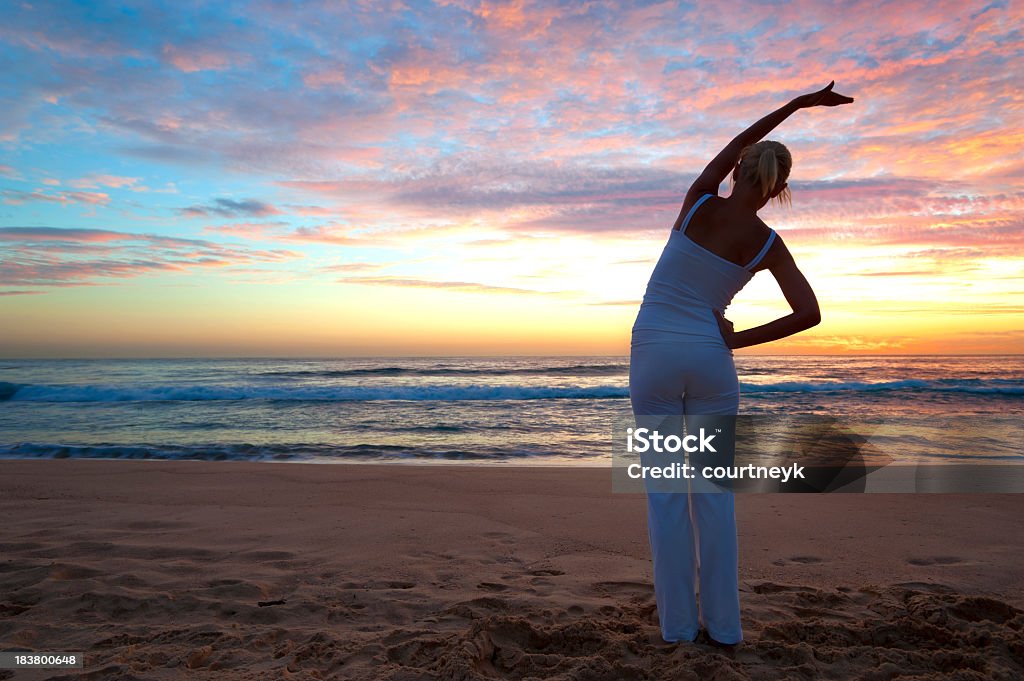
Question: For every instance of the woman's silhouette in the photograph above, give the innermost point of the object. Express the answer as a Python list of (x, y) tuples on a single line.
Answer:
[(681, 360)]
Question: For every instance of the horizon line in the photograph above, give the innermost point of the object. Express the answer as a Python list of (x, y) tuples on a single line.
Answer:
[(496, 356)]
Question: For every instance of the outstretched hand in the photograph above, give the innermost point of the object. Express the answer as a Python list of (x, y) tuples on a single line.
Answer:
[(823, 97)]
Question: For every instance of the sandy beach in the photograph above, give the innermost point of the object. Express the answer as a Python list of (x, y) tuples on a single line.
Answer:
[(155, 570)]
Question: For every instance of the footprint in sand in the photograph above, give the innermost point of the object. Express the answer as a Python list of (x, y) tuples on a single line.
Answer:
[(936, 560), (500, 537), (491, 586), (381, 586), (629, 589), (545, 573), (13, 609), (149, 525), (799, 560), (62, 572), (17, 575), (14, 547), (262, 556), (774, 588), (232, 588), (979, 608)]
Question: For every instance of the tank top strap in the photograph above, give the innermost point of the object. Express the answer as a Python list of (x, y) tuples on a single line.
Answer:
[(693, 210), (764, 249)]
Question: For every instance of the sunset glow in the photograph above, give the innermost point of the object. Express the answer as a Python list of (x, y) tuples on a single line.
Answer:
[(463, 178)]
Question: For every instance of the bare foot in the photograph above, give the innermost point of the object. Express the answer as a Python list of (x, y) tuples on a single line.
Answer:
[(704, 637)]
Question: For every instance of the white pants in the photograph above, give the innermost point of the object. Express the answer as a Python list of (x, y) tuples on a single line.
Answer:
[(693, 537)]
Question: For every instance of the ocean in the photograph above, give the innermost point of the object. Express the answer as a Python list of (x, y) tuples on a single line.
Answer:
[(511, 410)]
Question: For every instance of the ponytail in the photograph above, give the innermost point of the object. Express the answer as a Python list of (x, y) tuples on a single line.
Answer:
[(767, 171)]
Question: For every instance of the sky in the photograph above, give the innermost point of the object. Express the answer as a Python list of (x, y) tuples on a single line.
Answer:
[(473, 178)]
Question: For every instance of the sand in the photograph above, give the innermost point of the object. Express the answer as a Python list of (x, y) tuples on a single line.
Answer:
[(154, 569)]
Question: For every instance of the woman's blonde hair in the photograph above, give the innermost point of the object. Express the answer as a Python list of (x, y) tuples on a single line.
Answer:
[(765, 164)]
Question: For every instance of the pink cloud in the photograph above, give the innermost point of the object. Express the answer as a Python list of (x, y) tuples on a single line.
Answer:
[(327, 78), (15, 197), (61, 234), (310, 211), (196, 58), (100, 180), (249, 230), (50, 256), (325, 235), (469, 287)]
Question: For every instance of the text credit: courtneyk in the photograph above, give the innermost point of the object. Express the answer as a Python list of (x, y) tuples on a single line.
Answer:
[(643, 440)]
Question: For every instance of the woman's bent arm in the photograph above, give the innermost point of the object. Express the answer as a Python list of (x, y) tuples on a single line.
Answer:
[(799, 295), (780, 328)]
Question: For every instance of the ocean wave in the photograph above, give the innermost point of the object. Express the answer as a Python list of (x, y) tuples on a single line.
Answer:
[(992, 386), (446, 393), (7, 389), (570, 370), (267, 452), (440, 393)]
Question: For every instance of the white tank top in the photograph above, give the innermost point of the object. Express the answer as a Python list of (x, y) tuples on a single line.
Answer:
[(687, 285)]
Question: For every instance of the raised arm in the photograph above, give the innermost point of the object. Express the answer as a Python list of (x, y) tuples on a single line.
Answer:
[(720, 167), (798, 293)]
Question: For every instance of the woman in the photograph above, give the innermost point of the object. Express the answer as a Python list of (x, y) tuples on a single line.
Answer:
[(681, 361)]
